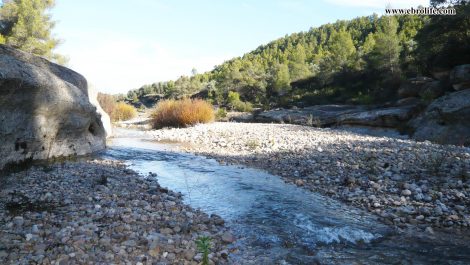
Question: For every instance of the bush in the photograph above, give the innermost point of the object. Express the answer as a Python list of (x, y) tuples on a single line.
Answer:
[(242, 106), (181, 113), (233, 97), (107, 102), (123, 112), (221, 113)]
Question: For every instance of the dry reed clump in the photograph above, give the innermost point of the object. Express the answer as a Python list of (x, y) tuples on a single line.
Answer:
[(123, 112), (181, 113)]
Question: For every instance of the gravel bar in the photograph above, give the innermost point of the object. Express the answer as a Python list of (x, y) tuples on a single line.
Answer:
[(100, 212)]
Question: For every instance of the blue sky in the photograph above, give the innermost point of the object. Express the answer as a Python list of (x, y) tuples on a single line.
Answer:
[(120, 45)]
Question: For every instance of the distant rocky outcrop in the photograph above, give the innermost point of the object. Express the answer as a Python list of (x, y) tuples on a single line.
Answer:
[(446, 120), (320, 115), (329, 115), (45, 111)]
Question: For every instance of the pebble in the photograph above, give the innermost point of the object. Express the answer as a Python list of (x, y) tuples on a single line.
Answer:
[(18, 221), (227, 237), (406, 192)]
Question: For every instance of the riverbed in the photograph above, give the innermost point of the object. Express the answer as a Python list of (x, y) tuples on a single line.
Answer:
[(280, 223)]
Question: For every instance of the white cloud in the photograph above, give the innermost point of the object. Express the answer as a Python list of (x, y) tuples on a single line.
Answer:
[(381, 3), (116, 64)]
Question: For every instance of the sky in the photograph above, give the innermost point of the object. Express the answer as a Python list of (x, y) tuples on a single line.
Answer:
[(119, 45)]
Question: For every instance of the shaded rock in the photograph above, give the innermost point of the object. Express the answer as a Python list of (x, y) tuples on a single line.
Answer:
[(433, 90), (44, 110), (460, 77), (445, 120), (408, 101), (240, 117), (321, 115), (384, 117), (440, 73), (413, 87)]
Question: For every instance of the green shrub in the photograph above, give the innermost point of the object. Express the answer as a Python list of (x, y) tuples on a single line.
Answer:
[(181, 113), (203, 245), (242, 106), (221, 113), (233, 97), (364, 99)]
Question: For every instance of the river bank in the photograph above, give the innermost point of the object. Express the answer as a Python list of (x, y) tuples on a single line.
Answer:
[(406, 183), (100, 212)]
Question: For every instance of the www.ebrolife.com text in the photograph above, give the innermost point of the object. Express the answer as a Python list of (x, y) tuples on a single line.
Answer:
[(421, 11)]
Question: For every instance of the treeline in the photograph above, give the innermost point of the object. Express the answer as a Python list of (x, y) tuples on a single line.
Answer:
[(363, 60)]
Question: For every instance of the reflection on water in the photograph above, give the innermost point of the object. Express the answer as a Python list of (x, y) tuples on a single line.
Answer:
[(279, 223)]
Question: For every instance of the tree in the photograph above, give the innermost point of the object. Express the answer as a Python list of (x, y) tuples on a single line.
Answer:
[(297, 65), (341, 50), (281, 82), (386, 51), (444, 41), (26, 25)]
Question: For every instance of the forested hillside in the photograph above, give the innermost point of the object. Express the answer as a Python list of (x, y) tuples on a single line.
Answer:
[(363, 60)]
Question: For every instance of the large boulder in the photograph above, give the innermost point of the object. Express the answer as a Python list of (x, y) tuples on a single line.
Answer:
[(460, 77), (446, 120), (105, 119), (44, 110)]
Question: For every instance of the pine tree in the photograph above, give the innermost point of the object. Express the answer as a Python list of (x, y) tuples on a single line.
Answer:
[(27, 26), (341, 50), (281, 82), (386, 52)]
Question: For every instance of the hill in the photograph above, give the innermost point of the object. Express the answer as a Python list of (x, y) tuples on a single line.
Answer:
[(358, 61)]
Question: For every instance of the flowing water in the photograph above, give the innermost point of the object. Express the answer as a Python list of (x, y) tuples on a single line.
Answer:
[(278, 223)]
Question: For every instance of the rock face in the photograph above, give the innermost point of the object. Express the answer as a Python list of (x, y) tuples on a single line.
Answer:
[(445, 120), (105, 119), (327, 115), (460, 77), (320, 115), (44, 110), (384, 117)]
